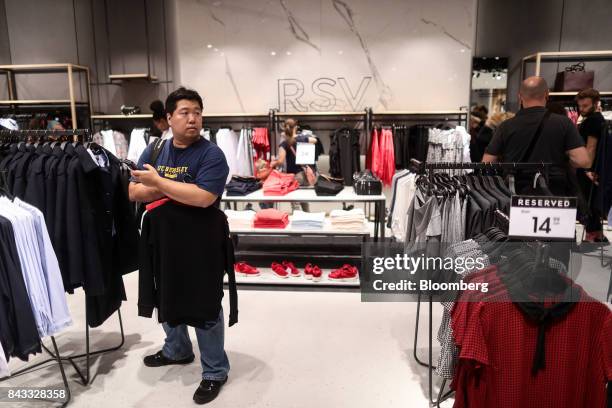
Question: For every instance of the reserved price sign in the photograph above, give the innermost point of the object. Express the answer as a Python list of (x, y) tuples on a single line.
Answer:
[(542, 217)]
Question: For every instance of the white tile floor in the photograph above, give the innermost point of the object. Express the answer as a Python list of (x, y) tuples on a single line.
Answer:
[(290, 349)]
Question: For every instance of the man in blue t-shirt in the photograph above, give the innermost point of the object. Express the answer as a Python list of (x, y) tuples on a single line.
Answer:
[(192, 171)]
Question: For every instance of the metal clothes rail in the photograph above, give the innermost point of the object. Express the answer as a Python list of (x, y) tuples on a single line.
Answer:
[(429, 168), (15, 136)]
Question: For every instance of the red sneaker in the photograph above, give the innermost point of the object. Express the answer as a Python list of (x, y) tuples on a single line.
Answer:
[(344, 273), (279, 270), (290, 267), (308, 271), (245, 270), (316, 273)]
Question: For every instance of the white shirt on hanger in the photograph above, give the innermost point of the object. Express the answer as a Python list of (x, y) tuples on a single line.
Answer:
[(137, 144), (108, 141), (227, 140), (406, 188), (60, 314), (243, 156), (31, 264)]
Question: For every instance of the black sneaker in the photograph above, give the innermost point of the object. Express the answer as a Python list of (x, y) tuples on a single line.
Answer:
[(208, 391), (158, 360)]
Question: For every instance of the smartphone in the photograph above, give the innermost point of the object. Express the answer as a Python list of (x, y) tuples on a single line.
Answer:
[(130, 164)]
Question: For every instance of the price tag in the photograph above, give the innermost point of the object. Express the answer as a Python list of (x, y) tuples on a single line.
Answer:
[(305, 153), (542, 217)]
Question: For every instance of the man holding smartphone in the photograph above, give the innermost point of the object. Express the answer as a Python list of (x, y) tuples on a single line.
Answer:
[(190, 170)]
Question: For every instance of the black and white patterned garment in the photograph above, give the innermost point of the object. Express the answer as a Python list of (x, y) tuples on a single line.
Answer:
[(449, 353)]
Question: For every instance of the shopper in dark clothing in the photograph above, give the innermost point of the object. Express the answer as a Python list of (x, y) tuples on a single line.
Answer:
[(485, 134), (286, 151), (478, 117), (559, 142), (192, 171), (590, 129)]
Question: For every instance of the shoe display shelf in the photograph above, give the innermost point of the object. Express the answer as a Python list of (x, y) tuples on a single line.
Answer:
[(372, 230)]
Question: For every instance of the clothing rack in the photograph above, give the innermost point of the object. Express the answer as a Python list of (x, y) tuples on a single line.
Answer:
[(460, 117), (56, 358), (15, 136), (423, 168)]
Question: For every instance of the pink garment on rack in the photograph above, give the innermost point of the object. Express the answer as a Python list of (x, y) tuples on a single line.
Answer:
[(387, 154), (375, 164), (261, 143)]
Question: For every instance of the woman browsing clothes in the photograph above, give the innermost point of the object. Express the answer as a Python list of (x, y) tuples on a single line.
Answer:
[(287, 154)]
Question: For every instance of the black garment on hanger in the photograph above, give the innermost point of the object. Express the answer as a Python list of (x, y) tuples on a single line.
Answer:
[(344, 154), (108, 231), (182, 269), (18, 331), (418, 141), (60, 220)]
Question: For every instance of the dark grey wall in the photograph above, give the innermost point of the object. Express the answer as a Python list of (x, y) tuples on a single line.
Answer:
[(518, 28), (108, 36)]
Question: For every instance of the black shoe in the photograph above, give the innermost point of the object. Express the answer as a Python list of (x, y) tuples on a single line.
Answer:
[(208, 391), (158, 360)]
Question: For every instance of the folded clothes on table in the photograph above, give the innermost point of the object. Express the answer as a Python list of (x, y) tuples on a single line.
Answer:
[(307, 220), (240, 219), (271, 218), (241, 186), (348, 220), (279, 183)]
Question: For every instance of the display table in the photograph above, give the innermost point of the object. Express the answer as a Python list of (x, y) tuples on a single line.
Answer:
[(347, 195), (309, 195), (327, 229)]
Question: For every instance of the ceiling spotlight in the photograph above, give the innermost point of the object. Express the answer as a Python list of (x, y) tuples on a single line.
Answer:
[(209, 46), (462, 50), (288, 52), (273, 53)]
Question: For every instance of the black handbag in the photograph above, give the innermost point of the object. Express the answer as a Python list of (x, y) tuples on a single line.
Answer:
[(328, 186), (574, 78), (366, 183)]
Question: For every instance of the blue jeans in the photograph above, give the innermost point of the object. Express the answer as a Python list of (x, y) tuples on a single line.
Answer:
[(215, 364)]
